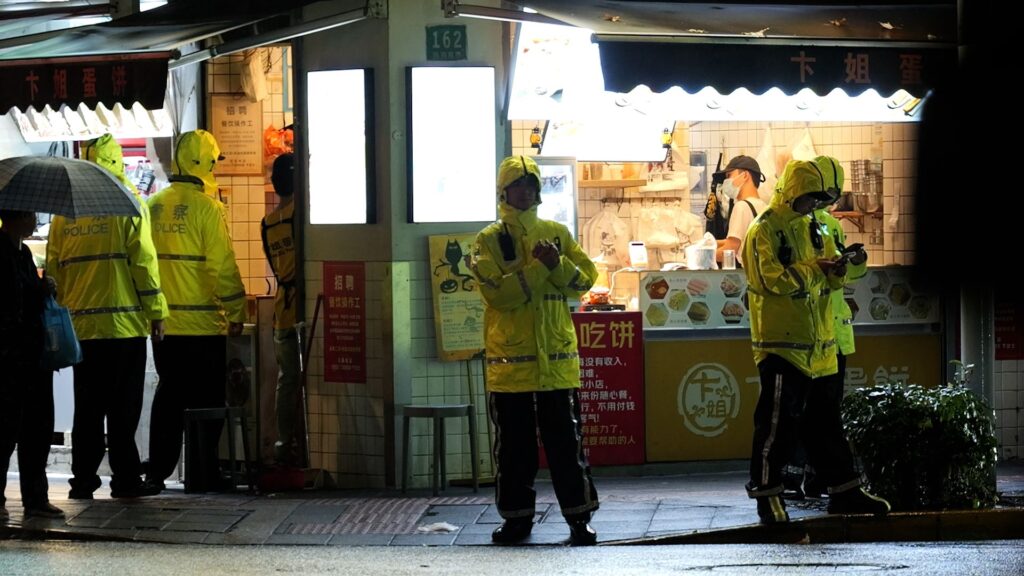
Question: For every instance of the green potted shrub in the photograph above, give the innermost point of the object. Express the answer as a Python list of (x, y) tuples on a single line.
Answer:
[(924, 448)]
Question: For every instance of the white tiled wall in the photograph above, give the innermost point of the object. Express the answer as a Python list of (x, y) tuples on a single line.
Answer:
[(1008, 402), (346, 420), (846, 141), (251, 197), (436, 382)]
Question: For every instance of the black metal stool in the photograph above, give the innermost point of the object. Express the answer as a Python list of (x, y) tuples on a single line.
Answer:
[(439, 412), (229, 415)]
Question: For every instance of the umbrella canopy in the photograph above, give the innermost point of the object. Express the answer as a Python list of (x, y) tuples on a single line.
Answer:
[(56, 185)]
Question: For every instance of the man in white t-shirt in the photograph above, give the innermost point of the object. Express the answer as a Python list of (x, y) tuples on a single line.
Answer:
[(742, 177)]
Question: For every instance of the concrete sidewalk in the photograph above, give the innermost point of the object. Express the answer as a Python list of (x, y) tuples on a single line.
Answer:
[(704, 508)]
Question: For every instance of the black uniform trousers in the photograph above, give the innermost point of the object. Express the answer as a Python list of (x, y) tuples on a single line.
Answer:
[(192, 375), (517, 417), (109, 385), (26, 421), (793, 407)]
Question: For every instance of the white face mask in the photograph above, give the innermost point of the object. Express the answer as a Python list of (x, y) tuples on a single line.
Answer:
[(729, 189)]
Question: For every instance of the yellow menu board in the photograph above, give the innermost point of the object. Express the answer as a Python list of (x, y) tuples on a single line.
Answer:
[(458, 308)]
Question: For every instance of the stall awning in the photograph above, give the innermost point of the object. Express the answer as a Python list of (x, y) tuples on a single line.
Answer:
[(727, 46), (80, 65), (91, 80), (126, 60), (761, 67)]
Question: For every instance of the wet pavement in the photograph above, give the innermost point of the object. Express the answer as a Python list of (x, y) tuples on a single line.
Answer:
[(684, 508)]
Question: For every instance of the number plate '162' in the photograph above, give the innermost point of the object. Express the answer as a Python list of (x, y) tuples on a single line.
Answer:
[(447, 43)]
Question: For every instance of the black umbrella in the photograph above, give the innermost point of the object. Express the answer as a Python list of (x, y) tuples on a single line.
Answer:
[(56, 185)]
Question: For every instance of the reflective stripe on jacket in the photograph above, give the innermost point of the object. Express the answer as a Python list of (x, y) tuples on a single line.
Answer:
[(529, 336), (106, 272), (197, 262), (842, 315), (278, 233)]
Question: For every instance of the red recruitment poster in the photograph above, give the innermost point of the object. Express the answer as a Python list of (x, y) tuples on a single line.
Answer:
[(612, 396), (345, 322), (1009, 326)]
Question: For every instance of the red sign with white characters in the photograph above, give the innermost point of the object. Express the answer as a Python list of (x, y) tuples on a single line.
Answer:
[(612, 396), (1009, 326), (345, 322)]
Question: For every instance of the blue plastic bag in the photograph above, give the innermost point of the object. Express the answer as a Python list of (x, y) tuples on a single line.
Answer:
[(60, 348)]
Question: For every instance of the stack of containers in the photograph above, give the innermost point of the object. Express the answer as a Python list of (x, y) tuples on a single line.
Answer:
[(866, 183)]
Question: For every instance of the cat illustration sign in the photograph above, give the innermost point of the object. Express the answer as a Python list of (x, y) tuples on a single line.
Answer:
[(458, 307)]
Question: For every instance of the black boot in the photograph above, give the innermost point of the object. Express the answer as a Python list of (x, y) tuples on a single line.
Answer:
[(512, 531), (791, 487), (857, 501), (581, 534), (813, 488), (772, 510)]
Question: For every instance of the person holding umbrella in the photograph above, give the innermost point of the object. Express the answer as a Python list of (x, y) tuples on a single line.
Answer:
[(26, 389), (206, 298), (117, 253)]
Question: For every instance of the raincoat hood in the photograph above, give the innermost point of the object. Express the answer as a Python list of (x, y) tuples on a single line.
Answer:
[(106, 152), (802, 178), (196, 155), (511, 169)]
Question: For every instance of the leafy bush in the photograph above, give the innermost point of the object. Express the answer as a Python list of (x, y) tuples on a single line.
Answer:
[(924, 448)]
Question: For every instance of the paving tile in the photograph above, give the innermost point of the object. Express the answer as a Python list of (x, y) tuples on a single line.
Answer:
[(170, 537), (198, 527), (603, 536), (424, 539), (464, 513), (491, 516), (603, 527), (734, 517), (80, 522), (155, 519), (636, 506), (298, 539), (623, 515), (552, 528), (681, 524), (317, 514), (360, 539), (541, 539), (479, 539), (478, 528), (126, 533)]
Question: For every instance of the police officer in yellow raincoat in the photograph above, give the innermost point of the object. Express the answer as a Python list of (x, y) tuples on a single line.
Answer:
[(207, 301), (106, 273), (842, 322), (528, 270), (793, 271)]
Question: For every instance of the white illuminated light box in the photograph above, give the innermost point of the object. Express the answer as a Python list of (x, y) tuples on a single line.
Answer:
[(617, 134), (452, 150), (558, 190), (341, 167)]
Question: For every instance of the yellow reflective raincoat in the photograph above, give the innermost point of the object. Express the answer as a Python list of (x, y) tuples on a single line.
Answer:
[(105, 266), (197, 262), (789, 295), (529, 336), (842, 315), (195, 156)]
